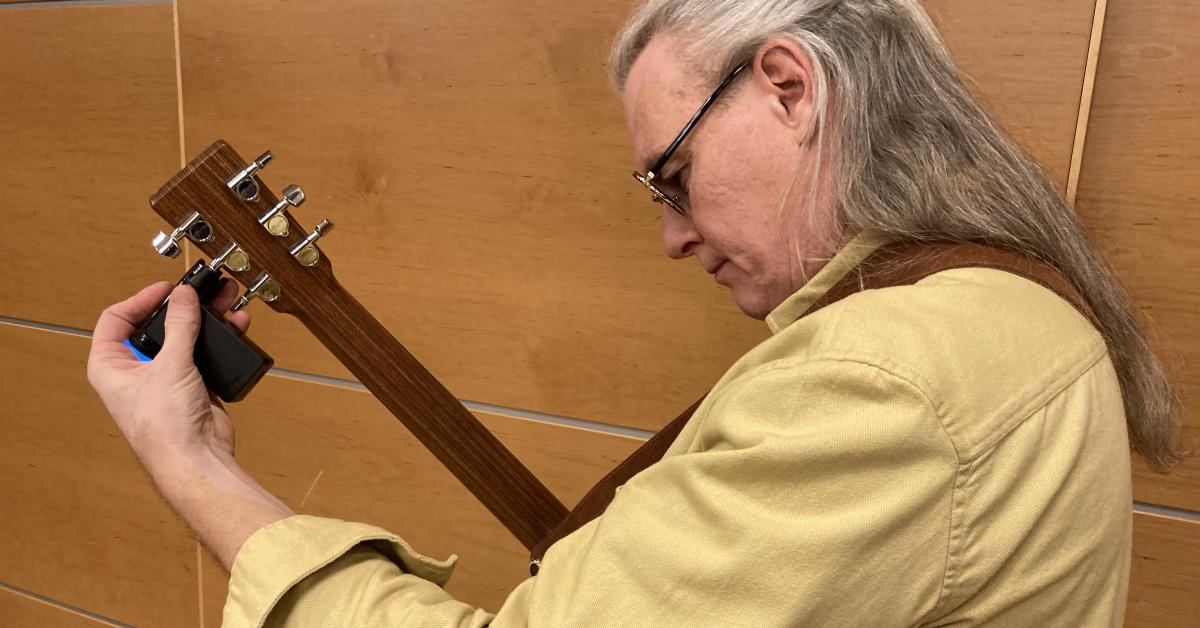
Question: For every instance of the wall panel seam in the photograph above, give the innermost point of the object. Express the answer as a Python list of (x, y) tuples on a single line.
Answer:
[(50, 4), (200, 582), (508, 412), (187, 245), (1166, 511), (63, 606), (1085, 100)]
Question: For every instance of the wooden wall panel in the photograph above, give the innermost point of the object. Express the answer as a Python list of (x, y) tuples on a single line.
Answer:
[(1165, 573), (104, 537), (81, 523), (88, 119), (20, 611), (1140, 196), (476, 164), (1026, 61), (336, 452)]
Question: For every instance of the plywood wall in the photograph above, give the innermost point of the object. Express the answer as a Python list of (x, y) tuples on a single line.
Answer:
[(1139, 194), (476, 165)]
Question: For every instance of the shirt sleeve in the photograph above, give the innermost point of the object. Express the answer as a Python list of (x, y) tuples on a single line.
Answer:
[(808, 493), (311, 571)]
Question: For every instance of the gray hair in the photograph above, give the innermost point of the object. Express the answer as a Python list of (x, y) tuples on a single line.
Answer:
[(916, 157)]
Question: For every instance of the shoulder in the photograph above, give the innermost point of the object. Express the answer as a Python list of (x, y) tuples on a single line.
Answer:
[(988, 347)]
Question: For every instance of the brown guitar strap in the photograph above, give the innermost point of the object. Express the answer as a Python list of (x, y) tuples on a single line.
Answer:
[(896, 264)]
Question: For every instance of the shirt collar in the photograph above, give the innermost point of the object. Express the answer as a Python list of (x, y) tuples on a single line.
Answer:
[(849, 256)]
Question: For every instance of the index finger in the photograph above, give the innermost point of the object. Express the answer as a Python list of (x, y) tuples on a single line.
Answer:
[(118, 321)]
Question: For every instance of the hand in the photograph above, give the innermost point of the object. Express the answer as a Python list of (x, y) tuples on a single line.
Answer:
[(177, 429), (162, 407)]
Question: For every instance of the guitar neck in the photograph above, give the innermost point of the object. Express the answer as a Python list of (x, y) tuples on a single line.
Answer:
[(223, 193), (446, 428)]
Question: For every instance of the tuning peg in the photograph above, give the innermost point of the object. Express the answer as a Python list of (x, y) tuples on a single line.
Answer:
[(263, 288), (274, 220), (306, 251), (233, 258), (244, 184), (165, 245), (293, 195), (194, 227)]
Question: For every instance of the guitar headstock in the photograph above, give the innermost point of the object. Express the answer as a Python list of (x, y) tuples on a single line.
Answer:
[(220, 204)]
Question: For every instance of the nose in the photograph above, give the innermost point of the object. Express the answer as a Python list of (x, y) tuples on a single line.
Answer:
[(679, 234)]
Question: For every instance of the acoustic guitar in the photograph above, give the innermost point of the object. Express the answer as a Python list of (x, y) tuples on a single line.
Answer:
[(219, 202)]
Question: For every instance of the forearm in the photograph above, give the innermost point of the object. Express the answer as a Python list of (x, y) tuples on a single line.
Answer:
[(220, 502)]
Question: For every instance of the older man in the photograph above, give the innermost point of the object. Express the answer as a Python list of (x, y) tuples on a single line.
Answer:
[(903, 456)]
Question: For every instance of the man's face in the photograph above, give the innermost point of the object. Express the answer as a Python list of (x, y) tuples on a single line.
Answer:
[(739, 169)]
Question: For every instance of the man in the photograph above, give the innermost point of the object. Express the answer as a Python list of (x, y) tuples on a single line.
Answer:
[(905, 456)]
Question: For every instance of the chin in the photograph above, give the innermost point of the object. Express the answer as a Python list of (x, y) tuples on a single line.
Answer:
[(752, 305)]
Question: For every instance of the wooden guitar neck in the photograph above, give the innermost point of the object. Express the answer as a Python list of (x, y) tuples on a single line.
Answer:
[(433, 415), (221, 205)]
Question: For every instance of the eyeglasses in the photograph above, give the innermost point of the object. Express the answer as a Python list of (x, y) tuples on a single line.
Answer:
[(663, 192)]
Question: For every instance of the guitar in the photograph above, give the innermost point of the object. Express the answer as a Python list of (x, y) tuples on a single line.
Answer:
[(219, 203)]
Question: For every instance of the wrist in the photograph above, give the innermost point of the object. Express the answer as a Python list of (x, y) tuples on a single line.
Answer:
[(176, 464), (221, 503)]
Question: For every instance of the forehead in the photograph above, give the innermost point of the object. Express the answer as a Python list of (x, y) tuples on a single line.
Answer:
[(658, 99)]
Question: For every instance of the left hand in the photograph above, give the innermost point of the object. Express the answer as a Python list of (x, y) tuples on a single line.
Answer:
[(162, 407)]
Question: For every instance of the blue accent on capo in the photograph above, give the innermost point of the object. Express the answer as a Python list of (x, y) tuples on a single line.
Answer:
[(137, 354)]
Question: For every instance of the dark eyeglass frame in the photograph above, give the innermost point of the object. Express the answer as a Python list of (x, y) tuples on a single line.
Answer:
[(656, 193)]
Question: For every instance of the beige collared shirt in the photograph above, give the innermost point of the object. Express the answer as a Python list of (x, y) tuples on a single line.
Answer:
[(952, 452)]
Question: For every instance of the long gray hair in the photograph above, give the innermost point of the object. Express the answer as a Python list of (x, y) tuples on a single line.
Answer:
[(916, 157)]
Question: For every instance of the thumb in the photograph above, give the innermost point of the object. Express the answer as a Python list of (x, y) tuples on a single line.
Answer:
[(182, 324)]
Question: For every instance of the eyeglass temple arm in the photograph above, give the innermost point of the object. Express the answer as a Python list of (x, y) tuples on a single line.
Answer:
[(662, 161)]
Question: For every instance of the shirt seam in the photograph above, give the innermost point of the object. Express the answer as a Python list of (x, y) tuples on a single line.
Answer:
[(953, 529), (786, 363), (797, 361), (970, 468), (824, 342)]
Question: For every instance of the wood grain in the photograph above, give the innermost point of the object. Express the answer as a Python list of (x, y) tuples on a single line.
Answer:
[(1165, 573), (21, 611), (485, 209), (1026, 60), (81, 523), (89, 127), (1139, 196)]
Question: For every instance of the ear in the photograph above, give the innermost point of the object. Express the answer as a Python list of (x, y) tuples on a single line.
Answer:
[(785, 72)]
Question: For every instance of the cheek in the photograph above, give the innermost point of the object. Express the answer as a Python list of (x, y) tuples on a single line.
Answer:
[(746, 164)]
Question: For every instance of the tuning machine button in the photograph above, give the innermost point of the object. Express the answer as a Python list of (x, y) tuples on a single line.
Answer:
[(165, 246), (193, 227), (275, 220), (233, 258), (244, 184), (306, 252), (263, 288)]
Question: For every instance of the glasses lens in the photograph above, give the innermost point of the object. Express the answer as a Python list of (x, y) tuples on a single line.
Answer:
[(664, 192)]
